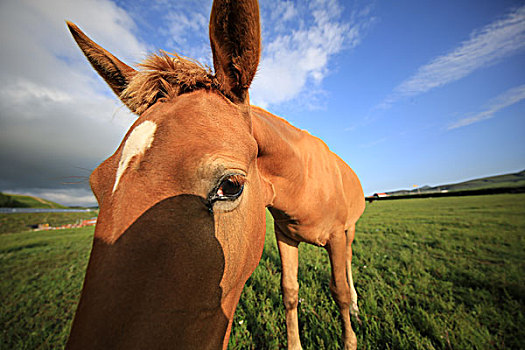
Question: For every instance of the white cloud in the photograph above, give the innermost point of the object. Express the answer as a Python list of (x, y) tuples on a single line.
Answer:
[(485, 47), (189, 30), (69, 197), (502, 101), (287, 10), (299, 40), (23, 90), (296, 53), (182, 26), (56, 114), (181, 23)]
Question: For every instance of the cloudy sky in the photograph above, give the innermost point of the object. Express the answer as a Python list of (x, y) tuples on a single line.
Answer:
[(407, 92)]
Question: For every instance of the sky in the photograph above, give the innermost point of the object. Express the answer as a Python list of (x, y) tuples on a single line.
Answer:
[(407, 92)]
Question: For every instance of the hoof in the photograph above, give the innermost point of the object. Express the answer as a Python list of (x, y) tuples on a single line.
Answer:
[(351, 344), (294, 345)]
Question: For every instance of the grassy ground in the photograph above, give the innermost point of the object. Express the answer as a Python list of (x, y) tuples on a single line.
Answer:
[(21, 201), (41, 274), (20, 222), (444, 273)]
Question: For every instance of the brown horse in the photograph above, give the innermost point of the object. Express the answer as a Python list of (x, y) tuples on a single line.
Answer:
[(182, 200)]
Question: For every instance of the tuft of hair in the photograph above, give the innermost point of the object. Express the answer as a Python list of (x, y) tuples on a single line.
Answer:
[(164, 76)]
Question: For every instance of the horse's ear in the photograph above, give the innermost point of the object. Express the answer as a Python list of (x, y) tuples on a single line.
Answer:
[(116, 73), (235, 37)]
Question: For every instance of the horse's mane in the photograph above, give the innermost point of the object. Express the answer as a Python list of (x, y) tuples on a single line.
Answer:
[(165, 76)]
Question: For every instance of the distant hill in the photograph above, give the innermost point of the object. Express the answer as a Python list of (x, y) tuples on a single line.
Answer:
[(491, 182), (20, 201)]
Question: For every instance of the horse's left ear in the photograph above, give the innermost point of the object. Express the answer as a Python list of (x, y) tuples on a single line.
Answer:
[(235, 37)]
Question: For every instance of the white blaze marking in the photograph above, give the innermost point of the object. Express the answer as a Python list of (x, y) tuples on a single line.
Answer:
[(137, 143)]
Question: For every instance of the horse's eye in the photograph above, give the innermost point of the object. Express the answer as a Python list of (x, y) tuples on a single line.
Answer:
[(230, 187)]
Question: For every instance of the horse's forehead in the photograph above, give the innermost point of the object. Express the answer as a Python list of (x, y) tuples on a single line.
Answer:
[(136, 144), (201, 117), (198, 109), (199, 131)]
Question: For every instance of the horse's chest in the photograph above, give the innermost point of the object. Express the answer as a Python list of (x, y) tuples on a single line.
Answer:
[(303, 229)]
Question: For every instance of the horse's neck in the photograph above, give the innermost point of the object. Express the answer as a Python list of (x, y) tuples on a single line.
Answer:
[(312, 186), (283, 159)]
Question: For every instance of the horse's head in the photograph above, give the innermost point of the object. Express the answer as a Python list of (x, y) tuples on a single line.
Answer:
[(182, 204)]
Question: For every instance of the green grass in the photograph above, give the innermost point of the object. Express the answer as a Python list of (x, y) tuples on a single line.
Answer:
[(431, 273), (19, 222), (443, 273), (21, 201), (41, 274), (506, 180)]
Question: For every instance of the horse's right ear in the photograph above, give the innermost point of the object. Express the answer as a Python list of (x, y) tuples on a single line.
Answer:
[(116, 73)]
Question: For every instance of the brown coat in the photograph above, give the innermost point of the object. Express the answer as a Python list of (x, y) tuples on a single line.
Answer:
[(182, 200)]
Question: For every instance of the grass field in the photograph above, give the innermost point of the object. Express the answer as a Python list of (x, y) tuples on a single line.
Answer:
[(444, 273), (21, 201), (19, 222)]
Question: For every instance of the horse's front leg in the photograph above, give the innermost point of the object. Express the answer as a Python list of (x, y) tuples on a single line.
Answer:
[(339, 286), (288, 249), (354, 309)]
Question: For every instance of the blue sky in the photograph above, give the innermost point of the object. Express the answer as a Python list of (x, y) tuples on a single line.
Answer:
[(406, 92)]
